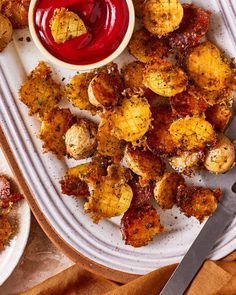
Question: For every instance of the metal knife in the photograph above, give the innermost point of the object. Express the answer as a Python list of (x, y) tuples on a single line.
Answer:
[(210, 233)]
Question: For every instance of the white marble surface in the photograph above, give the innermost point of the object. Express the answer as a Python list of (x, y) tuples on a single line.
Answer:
[(40, 261)]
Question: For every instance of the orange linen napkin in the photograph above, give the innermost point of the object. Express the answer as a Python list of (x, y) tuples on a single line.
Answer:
[(214, 278)]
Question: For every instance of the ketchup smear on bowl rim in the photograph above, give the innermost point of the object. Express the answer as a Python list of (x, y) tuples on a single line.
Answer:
[(106, 21)]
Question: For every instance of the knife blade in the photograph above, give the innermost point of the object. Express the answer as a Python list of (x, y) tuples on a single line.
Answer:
[(203, 244)]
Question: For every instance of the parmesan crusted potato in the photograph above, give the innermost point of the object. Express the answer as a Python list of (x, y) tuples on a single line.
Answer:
[(192, 133), (5, 31), (187, 162), (54, 125), (207, 68), (165, 191), (224, 96), (66, 25), (161, 17), (219, 116), (5, 230), (145, 46), (198, 201), (133, 74), (81, 140), (77, 91), (164, 78), (144, 164), (111, 197), (140, 225), (40, 93), (109, 145), (221, 157), (131, 120)]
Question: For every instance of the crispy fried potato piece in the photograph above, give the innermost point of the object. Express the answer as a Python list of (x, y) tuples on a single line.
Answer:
[(140, 225), (16, 11), (66, 25), (164, 78), (193, 27), (224, 96), (77, 91), (5, 31), (145, 46), (221, 157), (161, 17), (109, 145), (141, 194), (5, 230), (131, 120), (187, 162), (192, 133), (111, 197), (159, 140), (133, 74), (166, 189), (80, 139), (219, 116), (40, 92), (138, 7), (207, 68), (74, 186), (198, 201), (54, 125), (144, 164), (189, 102)]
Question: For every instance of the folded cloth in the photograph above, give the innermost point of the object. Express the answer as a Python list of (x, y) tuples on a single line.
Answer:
[(214, 278)]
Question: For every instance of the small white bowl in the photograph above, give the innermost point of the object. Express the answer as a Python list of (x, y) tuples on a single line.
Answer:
[(103, 62)]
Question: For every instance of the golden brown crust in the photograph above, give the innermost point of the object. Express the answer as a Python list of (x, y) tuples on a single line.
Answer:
[(198, 201), (133, 74), (5, 230), (74, 186), (140, 225), (5, 31), (219, 116), (40, 92)]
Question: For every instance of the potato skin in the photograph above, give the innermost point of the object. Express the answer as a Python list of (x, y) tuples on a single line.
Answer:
[(166, 189), (164, 78), (145, 46), (207, 68), (193, 27), (141, 194), (161, 17), (189, 102), (5, 31), (197, 201), (159, 140), (192, 133), (144, 163), (219, 116), (40, 93), (140, 225), (221, 157), (54, 125)]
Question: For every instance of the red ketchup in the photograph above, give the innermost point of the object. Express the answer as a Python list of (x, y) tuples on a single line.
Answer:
[(106, 21)]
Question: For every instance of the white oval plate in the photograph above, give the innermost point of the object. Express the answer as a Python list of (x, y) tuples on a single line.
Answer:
[(101, 243), (13, 251)]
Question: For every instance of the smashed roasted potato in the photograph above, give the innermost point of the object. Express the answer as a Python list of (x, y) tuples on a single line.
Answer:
[(221, 157), (159, 140), (66, 25), (144, 163), (193, 27), (5, 230), (77, 91), (189, 102), (161, 17), (111, 197), (166, 189), (40, 93), (80, 139), (54, 125), (145, 46), (131, 120), (219, 115), (187, 162), (133, 74), (198, 201), (5, 31), (207, 67), (164, 78), (140, 225), (192, 133)]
